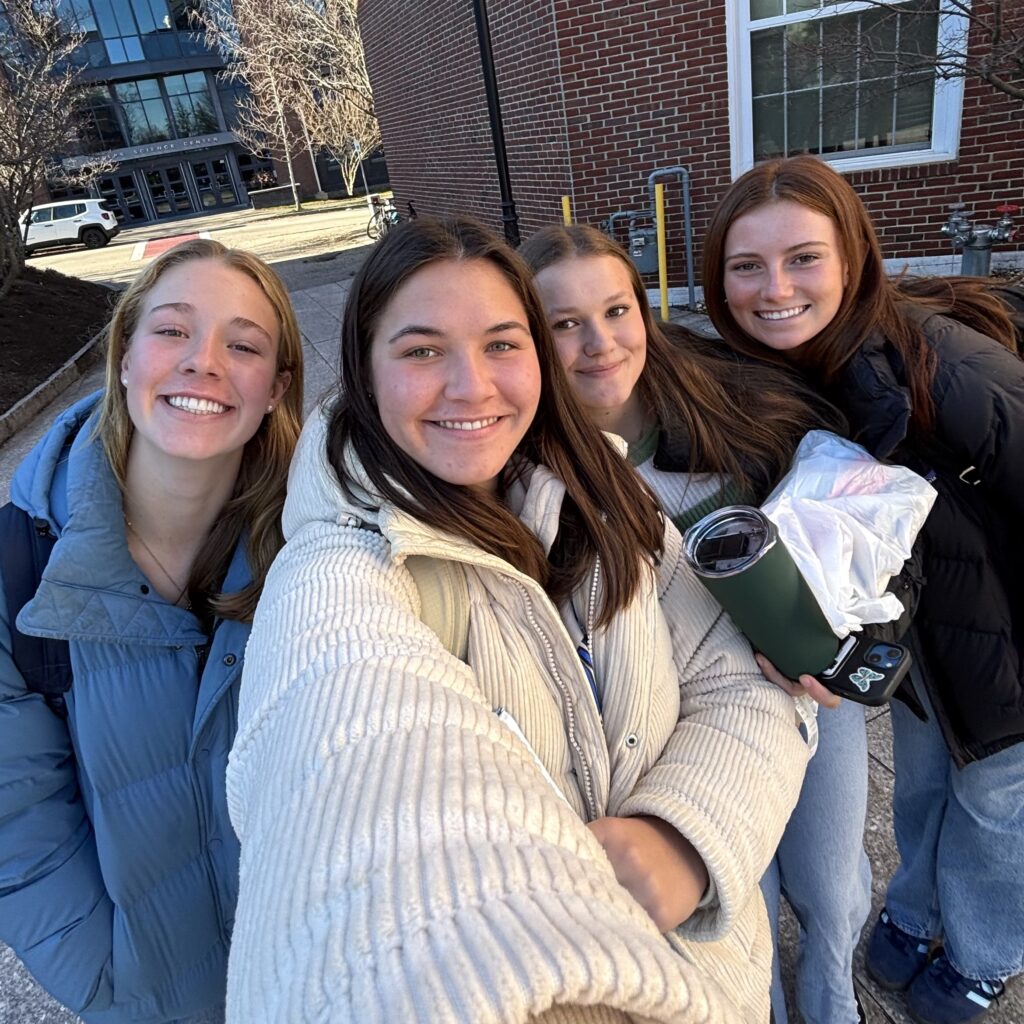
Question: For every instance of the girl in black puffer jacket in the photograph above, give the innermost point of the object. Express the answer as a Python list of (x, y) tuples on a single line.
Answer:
[(793, 272)]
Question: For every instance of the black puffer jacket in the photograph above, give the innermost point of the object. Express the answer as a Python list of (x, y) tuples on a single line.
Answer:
[(970, 622)]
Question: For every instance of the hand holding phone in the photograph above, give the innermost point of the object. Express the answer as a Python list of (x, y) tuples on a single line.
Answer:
[(866, 671)]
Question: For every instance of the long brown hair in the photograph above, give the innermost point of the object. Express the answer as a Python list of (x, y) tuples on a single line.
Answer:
[(258, 497), (607, 511), (974, 301), (742, 418), (871, 301)]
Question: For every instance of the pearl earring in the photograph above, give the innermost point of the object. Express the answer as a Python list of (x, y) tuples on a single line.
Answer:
[(124, 381), (270, 408)]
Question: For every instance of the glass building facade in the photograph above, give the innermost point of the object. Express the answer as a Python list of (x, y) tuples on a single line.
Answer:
[(153, 102)]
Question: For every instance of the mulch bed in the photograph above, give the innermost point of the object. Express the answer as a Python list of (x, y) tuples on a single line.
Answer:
[(44, 320)]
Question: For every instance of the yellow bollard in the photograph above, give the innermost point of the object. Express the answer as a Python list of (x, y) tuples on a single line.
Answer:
[(659, 212), (566, 211)]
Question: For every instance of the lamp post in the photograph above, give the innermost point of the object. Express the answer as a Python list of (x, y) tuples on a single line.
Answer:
[(509, 218)]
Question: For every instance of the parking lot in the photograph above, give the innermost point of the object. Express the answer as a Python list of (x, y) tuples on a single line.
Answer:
[(321, 244)]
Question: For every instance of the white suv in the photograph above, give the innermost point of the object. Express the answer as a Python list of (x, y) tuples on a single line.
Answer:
[(79, 220)]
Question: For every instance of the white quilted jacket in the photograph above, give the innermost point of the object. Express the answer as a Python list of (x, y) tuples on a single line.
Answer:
[(404, 858)]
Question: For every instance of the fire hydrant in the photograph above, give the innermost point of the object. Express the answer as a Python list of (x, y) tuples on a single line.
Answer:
[(977, 240)]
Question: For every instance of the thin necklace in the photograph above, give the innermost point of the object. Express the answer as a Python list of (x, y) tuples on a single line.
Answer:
[(160, 565)]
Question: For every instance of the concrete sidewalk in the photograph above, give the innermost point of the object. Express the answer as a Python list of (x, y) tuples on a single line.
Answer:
[(319, 311)]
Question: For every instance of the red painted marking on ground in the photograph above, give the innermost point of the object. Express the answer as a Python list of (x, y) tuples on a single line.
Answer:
[(158, 245)]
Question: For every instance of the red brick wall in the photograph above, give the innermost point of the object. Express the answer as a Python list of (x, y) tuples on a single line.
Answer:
[(428, 93), (598, 93)]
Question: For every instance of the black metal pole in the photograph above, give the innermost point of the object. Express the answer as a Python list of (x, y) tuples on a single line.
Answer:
[(509, 218)]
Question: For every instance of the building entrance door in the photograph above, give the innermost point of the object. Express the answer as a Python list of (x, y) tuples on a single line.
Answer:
[(168, 191), (123, 190), (214, 184)]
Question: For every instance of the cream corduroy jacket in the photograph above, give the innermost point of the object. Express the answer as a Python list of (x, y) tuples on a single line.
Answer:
[(404, 857)]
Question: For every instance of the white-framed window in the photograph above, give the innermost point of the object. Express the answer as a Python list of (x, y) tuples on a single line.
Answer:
[(848, 81)]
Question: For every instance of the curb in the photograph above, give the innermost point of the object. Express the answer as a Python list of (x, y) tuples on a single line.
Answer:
[(60, 380)]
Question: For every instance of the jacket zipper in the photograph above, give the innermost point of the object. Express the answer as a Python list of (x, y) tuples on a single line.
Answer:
[(570, 711)]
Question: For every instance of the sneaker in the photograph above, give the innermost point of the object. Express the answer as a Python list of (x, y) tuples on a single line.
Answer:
[(942, 995), (894, 958)]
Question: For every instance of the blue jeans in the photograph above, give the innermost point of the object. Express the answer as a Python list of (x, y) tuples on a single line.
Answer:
[(821, 868), (960, 835)]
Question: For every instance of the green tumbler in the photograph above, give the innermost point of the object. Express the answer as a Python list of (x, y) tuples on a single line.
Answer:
[(738, 555)]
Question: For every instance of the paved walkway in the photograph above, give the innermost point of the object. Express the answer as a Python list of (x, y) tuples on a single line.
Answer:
[(319, 309)]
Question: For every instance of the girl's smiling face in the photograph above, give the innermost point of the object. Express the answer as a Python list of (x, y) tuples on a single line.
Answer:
[(784, 273), (454, 371), (600, 335), (200, 369)]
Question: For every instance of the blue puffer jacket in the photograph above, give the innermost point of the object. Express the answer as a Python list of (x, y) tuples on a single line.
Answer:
[(118, 865)]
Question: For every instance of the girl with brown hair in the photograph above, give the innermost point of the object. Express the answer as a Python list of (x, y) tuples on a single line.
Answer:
[(118, 865), (793, 272), (512, 835), (707, 427)]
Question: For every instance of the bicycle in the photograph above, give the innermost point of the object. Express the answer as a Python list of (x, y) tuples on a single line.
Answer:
[(384, 217)]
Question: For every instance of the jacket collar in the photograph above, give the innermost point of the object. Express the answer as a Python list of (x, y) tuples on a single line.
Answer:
[(91, 587), (315, 495), (875, 397)]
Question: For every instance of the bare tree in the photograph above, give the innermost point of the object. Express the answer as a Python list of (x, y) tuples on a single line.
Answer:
[(982, 39), (40, 121), (303, 63), (257, 39), (333, 95)]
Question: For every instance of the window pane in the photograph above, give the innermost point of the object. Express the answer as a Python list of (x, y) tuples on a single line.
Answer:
[(175, 85), (181, 110), (63, 212), (83, 12), (143, 16), (793, 6), (159, 123), (802, 122), (41, 216), (765, 9), (105, 17), (149, 88), (135, 120), (919, 32), (878, 44), (133, 48), (127, 91), (766, 61), (914, 100), (839, 49), (769, 127), (205, 118), (877, 107), (838, 119), (125, 21), (802, 55), (196, 81), (115, 52)]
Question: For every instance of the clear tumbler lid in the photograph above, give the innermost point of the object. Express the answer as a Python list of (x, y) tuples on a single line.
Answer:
[(729, 540)]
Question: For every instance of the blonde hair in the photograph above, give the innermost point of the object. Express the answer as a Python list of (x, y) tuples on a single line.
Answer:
[(258, 497)]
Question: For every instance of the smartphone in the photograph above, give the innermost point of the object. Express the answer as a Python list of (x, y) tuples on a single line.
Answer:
[(866, 670)]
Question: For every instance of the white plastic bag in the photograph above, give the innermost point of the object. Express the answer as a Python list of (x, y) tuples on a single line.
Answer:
[(849, 522)]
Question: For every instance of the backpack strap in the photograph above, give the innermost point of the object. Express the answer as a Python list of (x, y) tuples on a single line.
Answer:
[(444, 596), (444, 601), (44, 663)]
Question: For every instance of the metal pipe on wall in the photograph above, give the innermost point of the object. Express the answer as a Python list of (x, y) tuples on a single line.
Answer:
[(684, 174)]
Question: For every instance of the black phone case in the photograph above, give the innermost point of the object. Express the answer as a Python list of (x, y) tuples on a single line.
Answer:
[(859, 678)]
